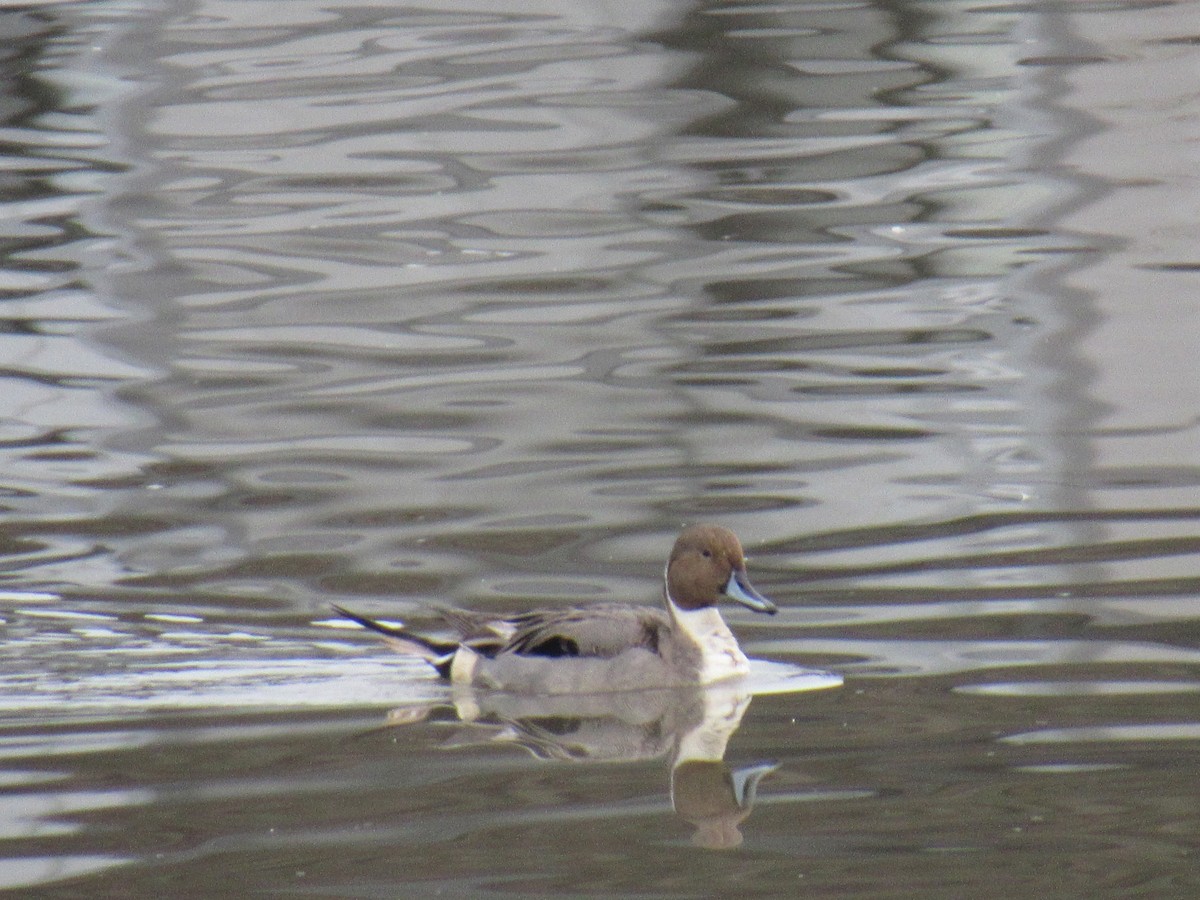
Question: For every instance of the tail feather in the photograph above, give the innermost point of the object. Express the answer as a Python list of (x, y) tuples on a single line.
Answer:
[(439, 654)]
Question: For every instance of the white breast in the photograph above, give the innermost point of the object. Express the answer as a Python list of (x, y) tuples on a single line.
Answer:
[(720, 655)]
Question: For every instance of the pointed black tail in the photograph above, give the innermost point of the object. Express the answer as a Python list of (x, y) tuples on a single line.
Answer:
[(439, 654)]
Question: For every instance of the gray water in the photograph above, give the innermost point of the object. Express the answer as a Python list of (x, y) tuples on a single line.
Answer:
[(389, 305)]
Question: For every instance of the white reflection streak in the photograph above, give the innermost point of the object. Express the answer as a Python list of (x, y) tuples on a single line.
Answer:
[(372, 386), (27, 871), (386, 444), (1174, 731), (928, 658), (337, 336)]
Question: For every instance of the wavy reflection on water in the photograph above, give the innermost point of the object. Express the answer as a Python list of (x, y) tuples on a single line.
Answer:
[(313, 302)]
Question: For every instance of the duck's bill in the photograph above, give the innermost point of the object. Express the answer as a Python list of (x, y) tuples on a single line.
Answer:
[(740, 589)]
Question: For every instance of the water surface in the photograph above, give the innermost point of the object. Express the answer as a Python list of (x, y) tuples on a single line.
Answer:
[(390, 305)]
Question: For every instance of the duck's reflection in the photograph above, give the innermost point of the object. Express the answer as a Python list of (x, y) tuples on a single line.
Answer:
[(715, 799), (691, 727)]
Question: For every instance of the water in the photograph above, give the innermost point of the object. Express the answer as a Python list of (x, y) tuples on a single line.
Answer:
[(388, 305)]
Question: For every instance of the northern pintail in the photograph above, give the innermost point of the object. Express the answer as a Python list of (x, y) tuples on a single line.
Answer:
[(607, 646)]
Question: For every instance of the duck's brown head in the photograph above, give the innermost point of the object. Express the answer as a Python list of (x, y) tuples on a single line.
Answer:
[(706, 567)]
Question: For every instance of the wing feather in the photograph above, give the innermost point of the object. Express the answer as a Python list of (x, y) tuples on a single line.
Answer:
[(602, 630)]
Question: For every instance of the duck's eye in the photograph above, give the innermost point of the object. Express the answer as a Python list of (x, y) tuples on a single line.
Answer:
[(707, 554)]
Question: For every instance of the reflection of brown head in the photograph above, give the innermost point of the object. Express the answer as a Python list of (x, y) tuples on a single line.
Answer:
[(715, 800)]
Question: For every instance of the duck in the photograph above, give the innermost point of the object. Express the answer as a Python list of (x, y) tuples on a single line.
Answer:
[(602, 647)]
